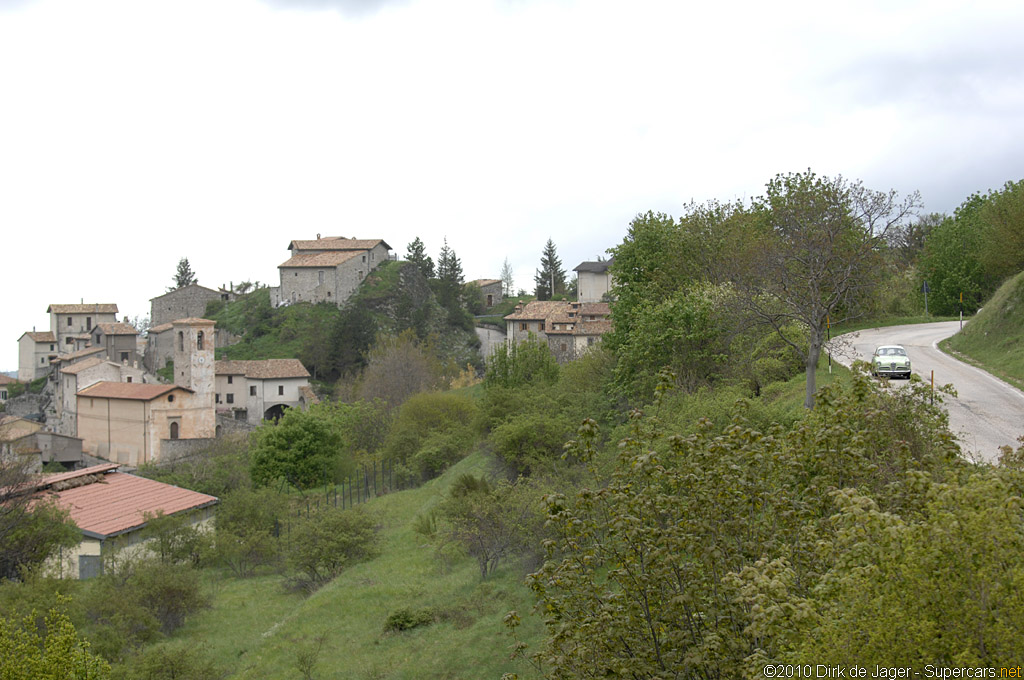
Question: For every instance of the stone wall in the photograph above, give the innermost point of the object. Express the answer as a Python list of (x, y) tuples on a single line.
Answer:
[(182, 303), (173, 449)]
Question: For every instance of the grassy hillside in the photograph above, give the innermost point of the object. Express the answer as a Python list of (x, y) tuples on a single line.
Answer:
[(255, 629), (994, 339)]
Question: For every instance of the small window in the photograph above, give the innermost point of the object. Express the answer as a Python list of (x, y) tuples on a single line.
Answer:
[(129, 379), (216, 398), (541, 326), (280, 390), (181, 340), (563, 346), (364, 258), (320, 277), (88, 322), (199, 340), (69, 340), (51, 347), (252, 390), (69, 322), (231, 397), (360, 272), (524, 326), (231, 379), (42, 360), (124, 356), (170, 398)]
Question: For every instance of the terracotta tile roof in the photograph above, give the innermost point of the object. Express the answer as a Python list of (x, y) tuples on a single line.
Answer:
[(84, 364), (161, 328), (178, 290), (79, 336), (539, 310), (593, 327), (336, 243), (114, 502), (136, 391), (118, 328), (194, 320), (8, 380), (331, 258), (82, 353), (486, 282), (266, 369), (42, 336), (595, 309), (82, 309)]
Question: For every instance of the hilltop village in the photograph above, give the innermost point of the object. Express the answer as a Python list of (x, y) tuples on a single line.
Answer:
[(108, 396)]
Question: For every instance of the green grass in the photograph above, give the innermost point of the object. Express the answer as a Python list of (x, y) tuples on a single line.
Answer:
[(994, 339), (255, 629)]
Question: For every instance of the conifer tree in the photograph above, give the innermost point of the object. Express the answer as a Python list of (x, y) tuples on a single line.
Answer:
[(449, 277), (550, 278), (507, 282), (416, 253), (184, 276)]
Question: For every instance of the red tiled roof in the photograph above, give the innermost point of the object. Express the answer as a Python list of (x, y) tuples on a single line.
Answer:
[(599, 327), (72, 356), (595, 309), (331, 258), (7, 380), (83, 309), (76, 368), (336, 243), (539, 310), (161, 328), (137, 391), (266, 369), (42, 336), (193, 320), (117, 502), (118, 328)]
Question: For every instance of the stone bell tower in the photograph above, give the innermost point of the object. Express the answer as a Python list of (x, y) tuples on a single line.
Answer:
[(194, 369)]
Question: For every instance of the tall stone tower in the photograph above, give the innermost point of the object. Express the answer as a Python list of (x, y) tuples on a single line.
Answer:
[(194, 370)]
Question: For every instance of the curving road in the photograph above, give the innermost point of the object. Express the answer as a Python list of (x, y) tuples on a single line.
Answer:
[(986, 413)]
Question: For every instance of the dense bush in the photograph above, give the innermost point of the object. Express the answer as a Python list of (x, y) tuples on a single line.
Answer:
[(324, 545), (432, 431), (51, 652)]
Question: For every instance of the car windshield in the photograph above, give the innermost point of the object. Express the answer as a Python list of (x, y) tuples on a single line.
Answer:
[(892, 352)]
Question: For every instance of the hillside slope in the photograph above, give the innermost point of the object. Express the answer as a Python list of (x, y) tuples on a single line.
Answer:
[(994, 338)]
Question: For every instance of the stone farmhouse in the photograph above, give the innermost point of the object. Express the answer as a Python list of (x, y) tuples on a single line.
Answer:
[(327, 269), (35, 352), (135, 423), (491, 290), (72, 323), (182, 303), (110, 508), (593, 281), (254, 391), (569, 328)]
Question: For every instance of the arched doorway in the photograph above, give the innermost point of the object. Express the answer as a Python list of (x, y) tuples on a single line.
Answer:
[(275, 412), (174, 430)]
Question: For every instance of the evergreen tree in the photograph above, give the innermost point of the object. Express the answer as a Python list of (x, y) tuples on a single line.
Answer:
[(506, 278), (416, 253), (184, 276), (449, 278), (550, 278)]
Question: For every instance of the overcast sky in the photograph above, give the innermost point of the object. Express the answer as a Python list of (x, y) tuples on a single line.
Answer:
[(137, 132)]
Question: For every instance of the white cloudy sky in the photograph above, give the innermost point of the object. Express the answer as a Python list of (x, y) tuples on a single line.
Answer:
[(136, 132)]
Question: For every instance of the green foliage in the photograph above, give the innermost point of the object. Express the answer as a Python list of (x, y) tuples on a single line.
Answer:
[(324, 545), (550, 278), (399, 366), (306, 448), (29, 533), (59, 653), (432, 431), (175, 539), (448, 284), (530, 441), (183, 275), (169, 661), (217, 470), (702, 552), (521, 363), (407, 619), (416, 253)]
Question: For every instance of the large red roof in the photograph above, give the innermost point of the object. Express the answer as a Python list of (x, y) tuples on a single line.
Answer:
[(119, 390), (117, 502)]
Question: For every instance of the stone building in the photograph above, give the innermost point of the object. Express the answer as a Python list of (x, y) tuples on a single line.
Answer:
[(72, 377), (261, 390), (327, 269), (568, 328), (35, 352), (490, 290), (182, 303), (5, 383), (593, 282), (129, 422), (118, 340), (39, 447), (73, 323)]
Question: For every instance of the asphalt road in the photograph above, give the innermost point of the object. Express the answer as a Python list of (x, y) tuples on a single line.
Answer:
[(986, 413)]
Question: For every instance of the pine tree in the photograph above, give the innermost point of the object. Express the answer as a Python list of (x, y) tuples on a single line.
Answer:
[(416, 253), (550, 278), (449, 278), (184, 276), (506, 279)]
